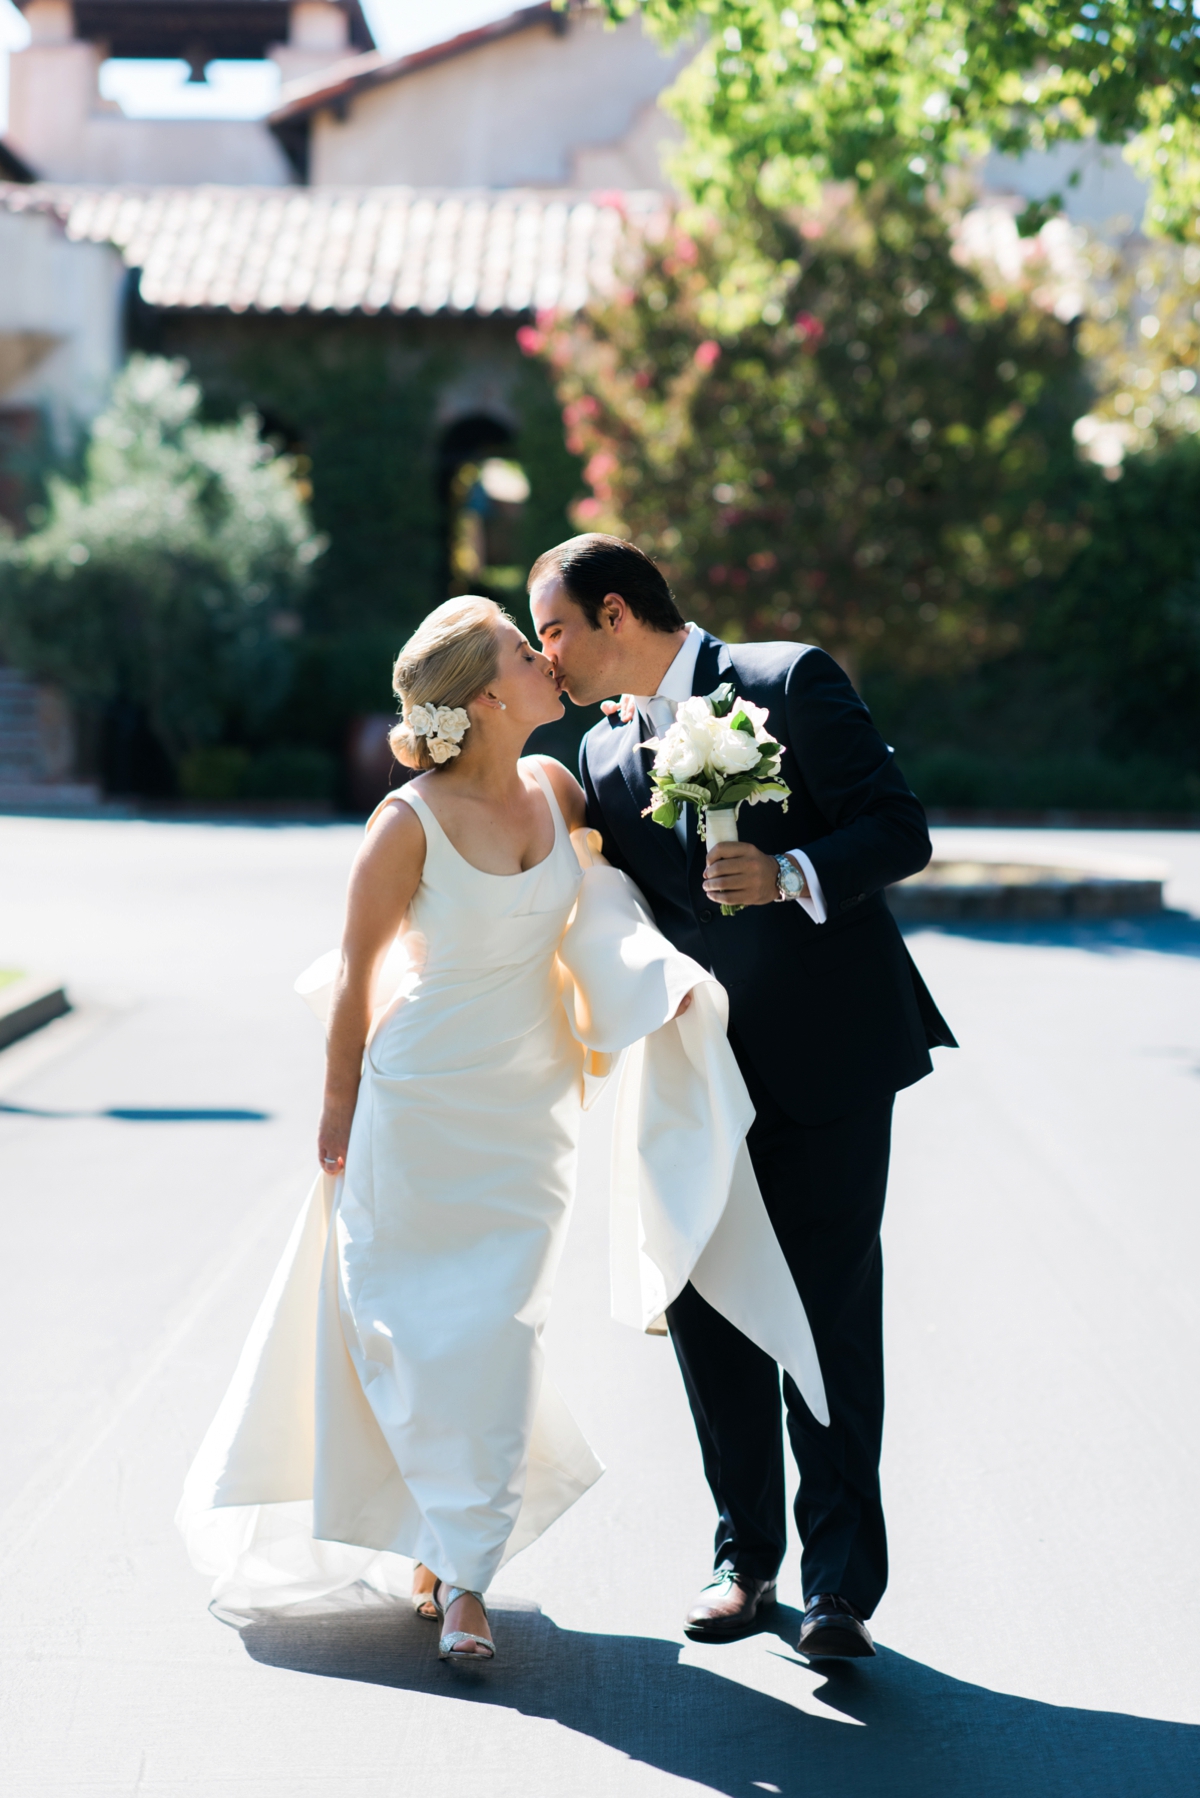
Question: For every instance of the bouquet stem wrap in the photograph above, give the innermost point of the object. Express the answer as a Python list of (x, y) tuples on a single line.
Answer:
[(720, 826)]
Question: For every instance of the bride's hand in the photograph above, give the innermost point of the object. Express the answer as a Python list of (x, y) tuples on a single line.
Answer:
[(333, 1139)]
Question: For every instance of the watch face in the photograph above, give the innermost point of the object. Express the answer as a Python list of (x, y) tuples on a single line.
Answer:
[(788, 876)]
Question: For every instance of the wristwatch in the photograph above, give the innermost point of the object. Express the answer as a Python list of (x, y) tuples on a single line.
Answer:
[(789, 882)]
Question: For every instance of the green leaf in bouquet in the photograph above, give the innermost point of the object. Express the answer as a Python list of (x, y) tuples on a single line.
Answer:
[(734, 794), (739, 721), (665, 814), (688, 789), (722, 699)]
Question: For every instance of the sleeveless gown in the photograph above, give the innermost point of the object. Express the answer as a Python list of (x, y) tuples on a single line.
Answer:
[(391, 1400), (458, 1182)]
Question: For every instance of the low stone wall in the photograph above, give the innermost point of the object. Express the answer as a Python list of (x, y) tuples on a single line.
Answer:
[(949, 891)]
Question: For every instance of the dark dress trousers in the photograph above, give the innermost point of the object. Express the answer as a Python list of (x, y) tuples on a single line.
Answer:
[(828, 1023)]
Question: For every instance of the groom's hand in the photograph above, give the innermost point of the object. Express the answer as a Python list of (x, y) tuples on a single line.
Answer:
[(740, 874)]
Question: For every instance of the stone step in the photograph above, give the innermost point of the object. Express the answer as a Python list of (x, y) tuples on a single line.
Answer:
[(36, 743), (47, 795), (27, 1004), (965, 891)]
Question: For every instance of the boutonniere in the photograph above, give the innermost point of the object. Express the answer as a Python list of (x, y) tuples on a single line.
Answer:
[(625, 708)]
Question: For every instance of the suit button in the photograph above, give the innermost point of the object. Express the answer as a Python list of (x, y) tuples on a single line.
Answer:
[(706, 916)]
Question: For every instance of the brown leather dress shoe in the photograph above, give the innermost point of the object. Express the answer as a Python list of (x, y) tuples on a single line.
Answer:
[(833, 1630), (728, 1606)]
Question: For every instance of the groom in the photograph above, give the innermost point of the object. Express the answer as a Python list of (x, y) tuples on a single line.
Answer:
[(828, 1019)]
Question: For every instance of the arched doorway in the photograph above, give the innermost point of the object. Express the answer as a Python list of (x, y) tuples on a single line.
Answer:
[(484, 490)]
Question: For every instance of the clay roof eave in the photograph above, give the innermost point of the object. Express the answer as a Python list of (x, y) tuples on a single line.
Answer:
[(342, 81), (368, 250)]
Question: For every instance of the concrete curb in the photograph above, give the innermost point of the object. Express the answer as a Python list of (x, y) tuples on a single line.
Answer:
[(968, 890), (27, 1004)]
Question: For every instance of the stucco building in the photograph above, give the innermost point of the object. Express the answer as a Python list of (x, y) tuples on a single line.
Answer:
[(355, 266), (362, 154)]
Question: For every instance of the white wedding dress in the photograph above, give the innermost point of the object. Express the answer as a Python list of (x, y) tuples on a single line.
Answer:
[(391, 1400)]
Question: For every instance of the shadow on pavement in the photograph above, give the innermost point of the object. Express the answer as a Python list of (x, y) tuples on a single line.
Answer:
[(1162, 933), (902, 1730), (145, 1114)]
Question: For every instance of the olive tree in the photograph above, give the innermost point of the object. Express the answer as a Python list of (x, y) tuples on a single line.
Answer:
[(168, 573)]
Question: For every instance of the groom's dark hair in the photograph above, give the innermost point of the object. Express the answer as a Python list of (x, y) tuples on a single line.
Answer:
[(595, 564)]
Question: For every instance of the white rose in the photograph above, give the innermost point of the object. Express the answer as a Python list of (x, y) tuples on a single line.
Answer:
[(452, 722), (440, 749), (422, 720), (757, 715), (682, 752), (733, 751), (696, 712)]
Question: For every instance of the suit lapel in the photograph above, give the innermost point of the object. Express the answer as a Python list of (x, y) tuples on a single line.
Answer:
[(634, 760), (635, 763), (621, 773)]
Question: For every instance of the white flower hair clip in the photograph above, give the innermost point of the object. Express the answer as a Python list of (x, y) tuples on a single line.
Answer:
[(443, 728)]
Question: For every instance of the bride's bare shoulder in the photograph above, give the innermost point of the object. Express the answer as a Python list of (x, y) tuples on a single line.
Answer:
[(567, 789), (394, 828)]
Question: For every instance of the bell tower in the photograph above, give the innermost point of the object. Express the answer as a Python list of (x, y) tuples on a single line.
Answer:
[(54, 95)]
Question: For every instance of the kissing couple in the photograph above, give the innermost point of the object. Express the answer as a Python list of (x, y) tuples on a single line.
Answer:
[(514, 939)]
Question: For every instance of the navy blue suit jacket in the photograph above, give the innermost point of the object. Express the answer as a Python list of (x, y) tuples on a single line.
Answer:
[(832, 1016)]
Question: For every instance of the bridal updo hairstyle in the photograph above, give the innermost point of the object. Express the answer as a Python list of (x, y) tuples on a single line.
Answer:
[(448, 660)]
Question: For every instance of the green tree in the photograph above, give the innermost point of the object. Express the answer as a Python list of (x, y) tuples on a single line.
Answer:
[(867, 459), (785, 97), (1141, 336), (169, 574), (1123, 622)]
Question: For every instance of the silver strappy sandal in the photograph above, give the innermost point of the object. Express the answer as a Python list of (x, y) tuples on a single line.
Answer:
[(425, 1603), (484, 1650)]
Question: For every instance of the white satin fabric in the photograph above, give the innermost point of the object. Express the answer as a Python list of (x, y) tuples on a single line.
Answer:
[(391, 1399)]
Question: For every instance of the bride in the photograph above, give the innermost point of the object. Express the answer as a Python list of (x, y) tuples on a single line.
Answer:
[(472, 1083), (391, 1399)]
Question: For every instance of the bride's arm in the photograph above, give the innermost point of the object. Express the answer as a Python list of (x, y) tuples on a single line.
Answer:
[(385, 875)]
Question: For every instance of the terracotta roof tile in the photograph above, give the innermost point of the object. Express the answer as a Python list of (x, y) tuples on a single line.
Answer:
[(371, 249)]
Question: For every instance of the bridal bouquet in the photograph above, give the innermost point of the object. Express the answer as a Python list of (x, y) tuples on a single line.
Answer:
[(719, 755)]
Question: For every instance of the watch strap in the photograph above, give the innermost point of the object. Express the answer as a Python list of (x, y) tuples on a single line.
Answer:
[(784, 865)]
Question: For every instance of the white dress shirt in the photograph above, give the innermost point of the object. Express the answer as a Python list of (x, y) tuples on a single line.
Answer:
[(658, 710)]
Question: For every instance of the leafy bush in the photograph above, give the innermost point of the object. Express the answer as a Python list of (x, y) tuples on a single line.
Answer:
[(1081, 782), (224, 773), (217, 773), (863, 453), (291, 773), (170, 573), (1099, 705), (1125, 617)]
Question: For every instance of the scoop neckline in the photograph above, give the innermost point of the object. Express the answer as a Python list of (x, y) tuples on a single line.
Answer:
[(556, 818)]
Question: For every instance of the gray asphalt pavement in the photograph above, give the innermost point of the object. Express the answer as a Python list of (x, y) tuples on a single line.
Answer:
[(1042, 1456)]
